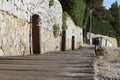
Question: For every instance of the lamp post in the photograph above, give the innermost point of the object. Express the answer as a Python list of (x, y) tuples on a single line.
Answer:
[(90, 26)]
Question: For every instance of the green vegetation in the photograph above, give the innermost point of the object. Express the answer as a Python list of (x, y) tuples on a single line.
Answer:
[(94, 4), (51, 3), (76, 9), (64, 18), (115, 12), (56, 30), (103, 27), (77, 12), (86, 17), (104, 21), (56, 47), (100, 52)]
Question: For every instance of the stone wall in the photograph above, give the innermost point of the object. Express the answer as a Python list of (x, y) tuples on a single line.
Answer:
[(16, 27), (14, 35), (73, 30), (24, 9), (49, 42)]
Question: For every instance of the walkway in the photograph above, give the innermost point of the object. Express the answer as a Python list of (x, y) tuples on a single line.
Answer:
[(69, 65)]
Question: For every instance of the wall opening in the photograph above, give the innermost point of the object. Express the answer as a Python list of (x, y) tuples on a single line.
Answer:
[(63, 45), (73, 43), (35, 35)]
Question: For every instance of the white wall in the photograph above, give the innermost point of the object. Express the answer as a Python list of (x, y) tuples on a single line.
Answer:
[(14, 35), (26, 8), (73, 30), (15, 27), (106, 41)]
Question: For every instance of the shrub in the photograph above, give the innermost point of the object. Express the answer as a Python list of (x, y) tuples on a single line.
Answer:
[(51, 3), (64, 18), (56, 30), (100, 52)]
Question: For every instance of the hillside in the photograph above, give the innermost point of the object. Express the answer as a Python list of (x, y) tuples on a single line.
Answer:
[(105, 22)]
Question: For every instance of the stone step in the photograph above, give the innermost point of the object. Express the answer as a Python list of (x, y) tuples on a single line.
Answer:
[(68, 65)]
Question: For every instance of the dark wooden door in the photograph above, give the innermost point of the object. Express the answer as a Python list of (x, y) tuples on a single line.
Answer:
[(63, 45), (35, 34)]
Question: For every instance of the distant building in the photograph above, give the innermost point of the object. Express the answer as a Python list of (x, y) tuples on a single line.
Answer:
[(104, 41)]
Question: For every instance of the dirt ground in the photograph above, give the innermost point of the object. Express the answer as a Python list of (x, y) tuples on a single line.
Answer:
[(108, 66)]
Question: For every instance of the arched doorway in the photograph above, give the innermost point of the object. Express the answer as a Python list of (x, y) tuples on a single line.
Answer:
[(35, 34)]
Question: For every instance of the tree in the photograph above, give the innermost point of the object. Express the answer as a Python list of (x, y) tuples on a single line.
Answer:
[(76, 9), (94, 4), (103, 27), (101, 18), (115, 11)]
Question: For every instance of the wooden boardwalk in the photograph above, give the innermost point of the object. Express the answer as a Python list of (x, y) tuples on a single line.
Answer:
[(68, 65)]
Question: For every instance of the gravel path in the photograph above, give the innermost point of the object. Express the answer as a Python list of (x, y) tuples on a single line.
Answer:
[(108, 66)]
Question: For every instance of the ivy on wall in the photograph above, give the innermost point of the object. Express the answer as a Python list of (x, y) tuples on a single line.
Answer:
[(56, 30), (51, 3), (64, 18)]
